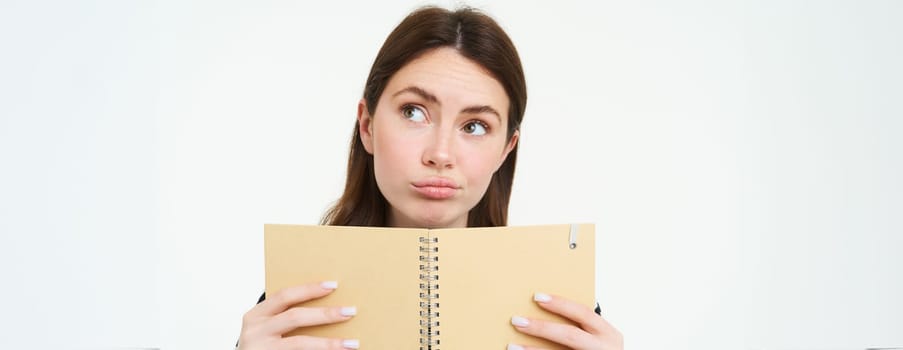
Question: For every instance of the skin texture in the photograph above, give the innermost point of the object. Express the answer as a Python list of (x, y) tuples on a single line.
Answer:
[(441, 117), (592, 332), (437, 135)]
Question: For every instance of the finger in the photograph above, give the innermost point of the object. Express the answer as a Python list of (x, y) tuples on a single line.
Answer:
[(523, 347), (307, 316), (287, 297), (563, 334), (317, 343), (582, 314)]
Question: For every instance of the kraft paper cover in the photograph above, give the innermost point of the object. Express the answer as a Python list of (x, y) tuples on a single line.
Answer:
[(377, 270), (486, 276)]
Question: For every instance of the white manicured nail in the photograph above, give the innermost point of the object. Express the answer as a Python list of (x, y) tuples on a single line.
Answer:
[(330, 284), (541, 297), (515, 347), (349, 311), (520, 321), (351, 343)]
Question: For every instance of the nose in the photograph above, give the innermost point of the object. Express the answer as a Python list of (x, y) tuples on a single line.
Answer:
[(439, 152)]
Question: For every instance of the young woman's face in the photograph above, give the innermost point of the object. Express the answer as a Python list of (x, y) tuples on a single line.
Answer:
[(437, 136)]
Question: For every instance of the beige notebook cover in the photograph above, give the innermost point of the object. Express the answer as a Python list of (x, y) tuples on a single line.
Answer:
[(478, 277)]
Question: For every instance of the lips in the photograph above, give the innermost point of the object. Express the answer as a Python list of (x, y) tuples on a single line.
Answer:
[(436, 187)]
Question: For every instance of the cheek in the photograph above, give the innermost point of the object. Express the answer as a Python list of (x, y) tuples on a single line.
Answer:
[(393, 153), (480, 165)]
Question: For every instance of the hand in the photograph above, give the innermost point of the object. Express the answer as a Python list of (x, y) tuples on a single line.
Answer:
[(263, 327), (593, 333)]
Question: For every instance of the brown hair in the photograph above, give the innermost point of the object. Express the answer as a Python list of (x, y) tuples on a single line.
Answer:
[(475, 36)]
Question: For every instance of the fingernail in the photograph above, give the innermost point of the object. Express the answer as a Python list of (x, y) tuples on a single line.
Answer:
[(515, 347), (330, 284), (520, 321), (351, 344), (541, 297), (349, 311)]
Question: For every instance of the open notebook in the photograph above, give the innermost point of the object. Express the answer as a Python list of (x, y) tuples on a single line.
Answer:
[(437, 289)]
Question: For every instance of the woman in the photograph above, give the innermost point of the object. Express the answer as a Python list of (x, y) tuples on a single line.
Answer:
[(434, 146)]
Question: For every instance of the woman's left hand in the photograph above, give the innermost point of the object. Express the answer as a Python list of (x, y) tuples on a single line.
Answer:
[(593, 333)]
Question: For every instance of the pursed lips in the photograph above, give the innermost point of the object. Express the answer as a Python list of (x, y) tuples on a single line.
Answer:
[(436, 187)]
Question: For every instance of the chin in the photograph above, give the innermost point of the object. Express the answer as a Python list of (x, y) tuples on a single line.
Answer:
[(428, 216), (429, 221)]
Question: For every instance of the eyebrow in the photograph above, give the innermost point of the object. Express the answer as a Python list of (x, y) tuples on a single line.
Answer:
[(433, 99)]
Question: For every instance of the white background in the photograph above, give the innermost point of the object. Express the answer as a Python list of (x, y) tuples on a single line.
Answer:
[(741, 160)]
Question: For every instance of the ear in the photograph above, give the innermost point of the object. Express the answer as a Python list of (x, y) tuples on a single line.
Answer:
[(509, 147), (365, 125)]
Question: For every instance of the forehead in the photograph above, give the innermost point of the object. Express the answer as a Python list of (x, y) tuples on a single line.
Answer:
[(453, 78)]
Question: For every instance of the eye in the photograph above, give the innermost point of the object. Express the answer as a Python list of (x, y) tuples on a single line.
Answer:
[(475, 128), (413, 113)]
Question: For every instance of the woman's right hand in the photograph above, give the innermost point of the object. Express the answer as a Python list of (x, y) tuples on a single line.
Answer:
[(263, 327)]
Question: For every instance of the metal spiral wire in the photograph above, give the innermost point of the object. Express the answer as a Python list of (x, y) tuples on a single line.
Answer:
[(429, 293)]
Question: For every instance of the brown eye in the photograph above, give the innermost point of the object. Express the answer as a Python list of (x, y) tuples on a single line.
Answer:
[(475, 128), (413, 113)]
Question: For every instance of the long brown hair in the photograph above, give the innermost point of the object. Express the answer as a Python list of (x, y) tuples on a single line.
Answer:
[(475, 36)]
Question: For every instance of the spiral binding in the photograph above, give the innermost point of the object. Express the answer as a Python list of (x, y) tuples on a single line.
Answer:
[(429, 293)]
